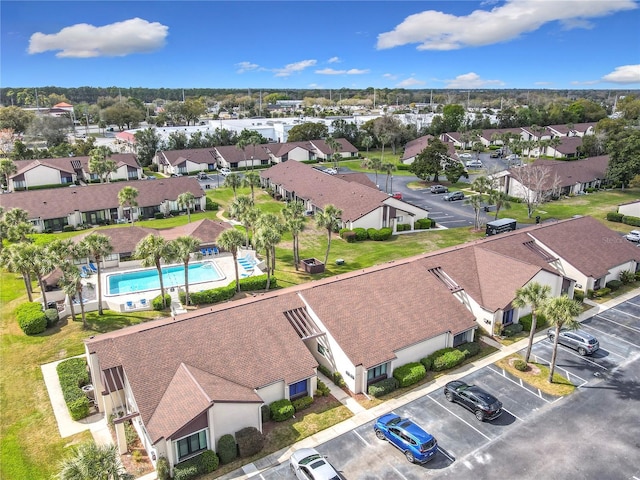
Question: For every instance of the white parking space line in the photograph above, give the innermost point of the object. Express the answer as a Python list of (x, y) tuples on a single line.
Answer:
[(459, 418), (445, 454), (398, 472), (626, 313), (571, 352), (361, 438), (633, 329), (512, 414), (520, 384), (583, 326)]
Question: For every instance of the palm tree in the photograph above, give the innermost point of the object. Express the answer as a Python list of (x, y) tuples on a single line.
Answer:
[(330, 220), (500, 200), (151, 250), (387, 168), (562, 313), (93, 462), (238, 208), (476, 203), (250, 219), (376, 164), (127, 197), (252, 180), (71, 284), (40, 264), (100, 162), (184, 248), (97, 246), (367, 142), (15, 258), (267, 237), (335, 146), (234, 181), (533, 295), (271, 221), (481, 184), (186, 199), (232, 239), (293, 215), (254, 139), (7, 167), (241, 145)]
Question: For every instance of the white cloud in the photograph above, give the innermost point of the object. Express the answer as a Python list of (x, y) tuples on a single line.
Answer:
[(472, 80), (390, 76), (624, 74), (334, 60), (294, 67), (246, 67), (435, 30), (410, 82), (115, 40), (331, 71)]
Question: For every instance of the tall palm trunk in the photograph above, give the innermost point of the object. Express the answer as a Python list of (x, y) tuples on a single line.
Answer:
[(27, 286), (326, 255), (159, 267), (268, 262), (552, 367), (235, 264), (186, 281), (99, 286), (534, 321), (43, 290), (296, 258)]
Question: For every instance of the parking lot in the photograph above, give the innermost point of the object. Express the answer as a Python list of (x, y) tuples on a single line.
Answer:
[(468, 448)]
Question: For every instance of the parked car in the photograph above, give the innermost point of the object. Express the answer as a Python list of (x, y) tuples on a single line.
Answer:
[(224, 171), (464, 155), (439, 189), (176, 174), (579, 340), (308, 464), (417, 445), (484, 405), (474, 164), (331, 171), (202, 176), (633, 236), (496, 153), (396, 195), (450, 197)]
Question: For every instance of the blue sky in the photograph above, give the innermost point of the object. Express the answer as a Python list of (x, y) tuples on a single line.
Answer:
[(524, 44)]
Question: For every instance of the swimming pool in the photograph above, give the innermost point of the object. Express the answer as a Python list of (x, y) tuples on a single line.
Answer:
[(172, 276)]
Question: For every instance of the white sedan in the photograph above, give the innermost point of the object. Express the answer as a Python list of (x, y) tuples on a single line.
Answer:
[(633, 236), (465, 155), (307, 464)]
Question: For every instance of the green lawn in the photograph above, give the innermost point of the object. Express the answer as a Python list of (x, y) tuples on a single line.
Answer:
[(30, 446)]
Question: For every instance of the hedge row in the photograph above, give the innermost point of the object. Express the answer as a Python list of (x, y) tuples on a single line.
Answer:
[(409, 374), (156, 303), (31, 318), (513, 329), (383, 387), (360, 234), (206, 462), (302, 403), (222, 294), (322, 390), (73, 375), (614, 285), (540, 319), (626, 219), (450, 357)]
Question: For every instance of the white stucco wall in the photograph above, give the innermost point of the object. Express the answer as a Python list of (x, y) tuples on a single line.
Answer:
[(631, 209), (273, 392), (228, 418), (414, 353)]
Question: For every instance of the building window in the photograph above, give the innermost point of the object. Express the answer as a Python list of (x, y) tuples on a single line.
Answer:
[(192, 444), (507, 317), (298, 389), (459, 339), (377, 373), (322, 350), (400, 218)]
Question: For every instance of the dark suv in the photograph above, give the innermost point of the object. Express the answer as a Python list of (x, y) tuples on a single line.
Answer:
[(450, 197), (439, 189), (579, 340), (484, 405)]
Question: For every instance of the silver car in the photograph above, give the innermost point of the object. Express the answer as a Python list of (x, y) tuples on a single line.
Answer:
[(579, 340), (308, 464)]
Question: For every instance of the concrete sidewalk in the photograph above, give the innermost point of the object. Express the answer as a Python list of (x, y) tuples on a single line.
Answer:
[(362, 416)]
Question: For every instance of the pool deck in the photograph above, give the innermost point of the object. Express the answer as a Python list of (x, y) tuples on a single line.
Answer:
[(142, 300)]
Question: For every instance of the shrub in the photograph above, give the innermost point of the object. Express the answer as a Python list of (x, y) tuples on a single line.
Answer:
[(409, 374), (629, 220), (52, 316), (68, 228), (250, 441), (156, 303), (211, 205), (578, 295), (615, 217), (158, 215), (511, 330), (423, 223), (186, 470), (209, 461), (627, 276), (447, 360), (325, 371), (371, 233), (281, 410), (342, 231), (79, 408), (73, 375), (590, 293), (265, 413), (162, 469), (601, 292), (31, 318), (402, 166), (427, 362), (380, 235), (402, 227), (614, 285), (130, 433), (469, 349), (349, 236), (227, 449), (323, 389), (302, 403), (520, 365), (382, 387), (338, 380), (361, 234)]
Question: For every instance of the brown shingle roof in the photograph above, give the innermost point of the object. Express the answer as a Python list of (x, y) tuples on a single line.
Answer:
[(60, 202), (195, 155), (122, 239), (570, 172), (353, 199), (205, 230)]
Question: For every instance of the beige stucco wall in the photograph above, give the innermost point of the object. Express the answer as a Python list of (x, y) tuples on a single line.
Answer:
[(414, 353), (273, 392), (228, 418), (42, 175), (631, 209)]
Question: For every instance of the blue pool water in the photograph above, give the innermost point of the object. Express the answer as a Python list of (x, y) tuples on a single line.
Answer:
[(172, 276)]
